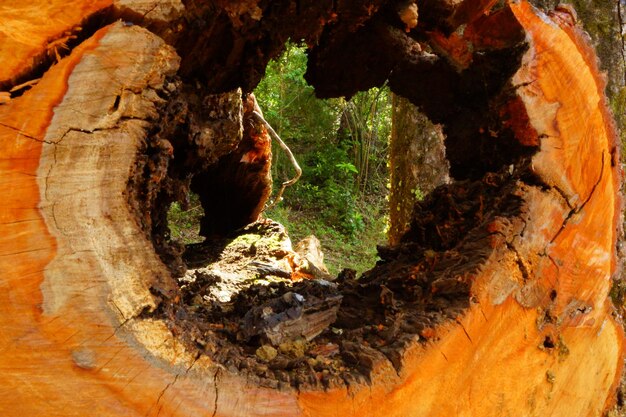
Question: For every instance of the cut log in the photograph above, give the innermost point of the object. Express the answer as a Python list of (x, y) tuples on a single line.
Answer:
[(496, 301)]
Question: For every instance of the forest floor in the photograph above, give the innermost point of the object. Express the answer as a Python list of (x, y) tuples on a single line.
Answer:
[(340, 251)]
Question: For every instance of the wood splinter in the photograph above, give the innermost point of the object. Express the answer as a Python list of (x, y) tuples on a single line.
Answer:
[(291, 317)]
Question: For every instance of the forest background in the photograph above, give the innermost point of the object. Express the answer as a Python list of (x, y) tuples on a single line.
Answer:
[(343, 147)]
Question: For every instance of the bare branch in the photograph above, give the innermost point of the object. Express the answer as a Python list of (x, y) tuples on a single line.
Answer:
[(292, 159)]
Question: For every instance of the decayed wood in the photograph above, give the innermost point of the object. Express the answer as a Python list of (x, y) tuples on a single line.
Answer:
[(77, 271), (234, 191), (291, 317)]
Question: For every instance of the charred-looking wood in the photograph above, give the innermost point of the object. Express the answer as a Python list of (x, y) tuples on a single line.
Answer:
[(479, 138), (228, 44), (196, 131), (233, 191), (495, 296)]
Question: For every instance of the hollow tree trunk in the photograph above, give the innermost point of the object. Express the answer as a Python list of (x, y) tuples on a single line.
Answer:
[(494, 303)]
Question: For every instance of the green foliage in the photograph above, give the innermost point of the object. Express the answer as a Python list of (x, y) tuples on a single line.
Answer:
[(289, 103), (347, 167), (342, 148), (417, 192), (340, 251), (366, 126), (184, 224), (341, 145)]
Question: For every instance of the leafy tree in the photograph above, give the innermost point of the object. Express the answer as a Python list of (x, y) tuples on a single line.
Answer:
[(342, 148)]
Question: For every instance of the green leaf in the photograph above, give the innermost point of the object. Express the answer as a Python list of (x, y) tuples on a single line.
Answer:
[(347, 167)]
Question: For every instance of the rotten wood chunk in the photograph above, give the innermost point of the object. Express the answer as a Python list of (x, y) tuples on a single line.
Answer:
[(234, 190), (310, 250), (290, 317), (266, 269), (195, 131), (222, 268)]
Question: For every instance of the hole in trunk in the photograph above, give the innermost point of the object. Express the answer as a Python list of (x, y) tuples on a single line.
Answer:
[(183, 220), (246, 298), (246, 301), (548, 343)]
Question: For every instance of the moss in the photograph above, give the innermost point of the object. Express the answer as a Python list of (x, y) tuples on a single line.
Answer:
[(618, 106), (270, 243), (246, 240)]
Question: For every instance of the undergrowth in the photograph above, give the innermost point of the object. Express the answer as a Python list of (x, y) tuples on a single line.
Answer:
[(341, 251), (355, 251)]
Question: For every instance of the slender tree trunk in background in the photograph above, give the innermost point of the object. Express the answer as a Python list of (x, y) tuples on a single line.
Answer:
[(417, 163)]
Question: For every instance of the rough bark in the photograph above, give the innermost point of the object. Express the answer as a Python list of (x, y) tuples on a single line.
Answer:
[(494, 298), (417, 164)]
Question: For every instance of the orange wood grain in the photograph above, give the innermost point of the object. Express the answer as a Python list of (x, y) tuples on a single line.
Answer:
[(79, 358), (36, 370), (28, 30), (39, 373)]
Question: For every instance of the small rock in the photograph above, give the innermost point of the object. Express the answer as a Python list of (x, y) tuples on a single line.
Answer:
[(293, 298), (266, 353), (336, 331), (310, 249)]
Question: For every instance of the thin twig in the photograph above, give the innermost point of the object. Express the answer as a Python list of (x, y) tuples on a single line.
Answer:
[(292, 159)]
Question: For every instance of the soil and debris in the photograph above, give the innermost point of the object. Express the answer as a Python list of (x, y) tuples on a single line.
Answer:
[(247, 303)]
